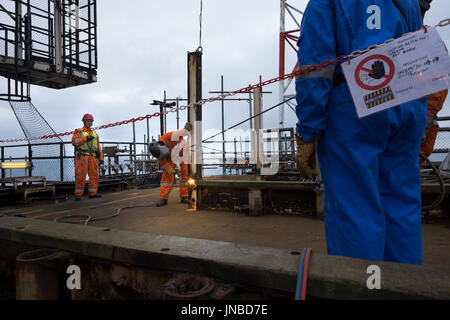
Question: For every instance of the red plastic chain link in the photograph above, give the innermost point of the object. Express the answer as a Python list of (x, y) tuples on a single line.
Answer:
[(443, 23), (293, 74), (158, 114)]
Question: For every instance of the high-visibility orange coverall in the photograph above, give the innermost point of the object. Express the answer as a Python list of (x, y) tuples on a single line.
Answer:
[(167, 180), (435, 104), (86, 160)]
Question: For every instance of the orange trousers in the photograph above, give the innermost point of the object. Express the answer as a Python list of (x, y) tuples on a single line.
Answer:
[(167, 180), (86, 165)]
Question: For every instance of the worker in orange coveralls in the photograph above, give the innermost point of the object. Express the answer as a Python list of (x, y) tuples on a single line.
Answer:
[(88, 154), (435, 104), (171, 143)]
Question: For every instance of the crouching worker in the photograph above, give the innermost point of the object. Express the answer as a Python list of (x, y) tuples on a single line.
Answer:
[(88, 154), (163, 150)]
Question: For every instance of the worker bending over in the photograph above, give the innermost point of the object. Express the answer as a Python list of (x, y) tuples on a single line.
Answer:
[(88, 154), (171, 143)]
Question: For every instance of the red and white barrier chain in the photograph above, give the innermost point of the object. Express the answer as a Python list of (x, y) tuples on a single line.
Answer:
[(354, 54)]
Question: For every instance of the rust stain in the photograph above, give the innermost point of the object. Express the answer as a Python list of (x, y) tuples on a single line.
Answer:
[(189, 287)]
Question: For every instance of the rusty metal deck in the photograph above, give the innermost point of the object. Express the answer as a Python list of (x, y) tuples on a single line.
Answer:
[(276, 231)]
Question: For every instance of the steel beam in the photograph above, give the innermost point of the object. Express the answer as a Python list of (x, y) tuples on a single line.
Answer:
[(195, 113), (58, 36)]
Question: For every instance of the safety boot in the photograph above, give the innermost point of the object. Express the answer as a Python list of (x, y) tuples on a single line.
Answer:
[(95, 196), (185, 200), (161, 203)]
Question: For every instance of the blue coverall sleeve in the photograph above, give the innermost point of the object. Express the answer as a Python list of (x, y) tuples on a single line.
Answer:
[(316, 44)]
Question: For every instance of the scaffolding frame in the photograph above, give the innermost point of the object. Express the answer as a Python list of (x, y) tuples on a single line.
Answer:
[(289, 37), (50, 43)]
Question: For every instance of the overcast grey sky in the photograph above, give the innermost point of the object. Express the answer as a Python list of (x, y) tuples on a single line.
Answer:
[(142, 50)]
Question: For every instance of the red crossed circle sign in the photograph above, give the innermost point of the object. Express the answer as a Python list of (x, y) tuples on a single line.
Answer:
[(364, 68)]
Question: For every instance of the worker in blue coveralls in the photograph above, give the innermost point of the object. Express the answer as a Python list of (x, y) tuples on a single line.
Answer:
[(369, 166)]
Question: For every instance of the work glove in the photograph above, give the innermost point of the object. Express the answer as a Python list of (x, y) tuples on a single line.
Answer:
[(173, 170), (101, 162), (89, 138), (305, 158), (98, 154), (188, 126)]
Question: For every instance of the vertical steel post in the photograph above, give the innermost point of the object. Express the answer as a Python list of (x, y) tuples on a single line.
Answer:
[(18, 35), (17, 41), (195, 117), (145, 144), (116, 160), (134, 150), (61, 161), (195, 113), (178, 115), (58, 37), (51, 52), (282, 62), (148, 131), (223, 127), (258, 125), (250, 108), (30, 158), (3, 160), (235, 151), (165, 116), (255, 196), (95, 30), (109, 165), (161, 119), (89, 40), (77, 31), (28, 48)]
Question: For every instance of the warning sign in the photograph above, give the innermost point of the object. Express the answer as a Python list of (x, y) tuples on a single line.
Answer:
[(374, 72), (403, 70)]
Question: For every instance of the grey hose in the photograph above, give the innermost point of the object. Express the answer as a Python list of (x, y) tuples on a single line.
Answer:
[(441, 197)]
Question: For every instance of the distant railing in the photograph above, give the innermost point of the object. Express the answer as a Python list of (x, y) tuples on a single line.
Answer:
[(60, 168), (122, 159), (443, 139)]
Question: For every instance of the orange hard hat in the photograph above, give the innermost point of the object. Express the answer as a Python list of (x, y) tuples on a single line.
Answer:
[(88, 116)]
